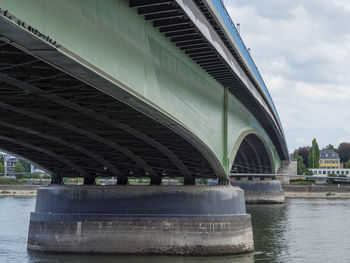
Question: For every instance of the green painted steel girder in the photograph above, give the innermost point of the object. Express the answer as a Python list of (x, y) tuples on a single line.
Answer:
[(113, 40)]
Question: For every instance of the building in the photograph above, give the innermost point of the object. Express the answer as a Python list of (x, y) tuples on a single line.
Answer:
[(330, 164), (329, 159), (10, 162), (327, 171)]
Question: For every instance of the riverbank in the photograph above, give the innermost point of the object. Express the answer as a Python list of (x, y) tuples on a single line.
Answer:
[(290, 191), (18, 190), (316, 191)]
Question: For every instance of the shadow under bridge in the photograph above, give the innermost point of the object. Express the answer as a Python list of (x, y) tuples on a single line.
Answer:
[(252, 157), (73, 129)]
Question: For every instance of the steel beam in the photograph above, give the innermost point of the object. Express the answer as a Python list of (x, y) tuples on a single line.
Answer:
[(92, 114), (71, 145), (175, 28), (156, 9), (181, 33), (183, 39), (198, 50), (165, 15), (83, 132), (63, 160), (170, 22), (209, 54), (193, 43), (143, 3)]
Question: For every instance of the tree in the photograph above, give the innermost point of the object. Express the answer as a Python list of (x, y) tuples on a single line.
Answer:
[(301, 168), (314, 155), (18, 168), (2, 160), (303, 152), (347, 164), (2, 168), (308, 172), (25, 165), (331, 147), (300, 163), (344, 151)]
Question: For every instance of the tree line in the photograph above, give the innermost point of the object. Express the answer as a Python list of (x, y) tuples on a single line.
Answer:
[(309, 156)]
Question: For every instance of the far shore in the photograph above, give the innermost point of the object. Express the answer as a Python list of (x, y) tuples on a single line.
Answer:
[(328, 195), (17, 193), (316, 191), (18, 190), (290, 191)]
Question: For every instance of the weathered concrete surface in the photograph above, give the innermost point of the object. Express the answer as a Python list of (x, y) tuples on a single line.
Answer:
[(288, 168), (261, 192), (175, 220)]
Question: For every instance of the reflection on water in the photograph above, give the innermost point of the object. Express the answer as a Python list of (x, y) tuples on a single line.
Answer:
[(138, 259), (302, 230), (314, 230), (269, 226)]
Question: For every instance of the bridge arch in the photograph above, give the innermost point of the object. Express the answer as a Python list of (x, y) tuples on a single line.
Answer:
[(251, 154)]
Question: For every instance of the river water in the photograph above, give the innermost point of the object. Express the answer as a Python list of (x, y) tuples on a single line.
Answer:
[(301, 230)]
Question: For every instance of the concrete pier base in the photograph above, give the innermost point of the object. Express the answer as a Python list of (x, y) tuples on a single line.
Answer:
[(261, 192), (170, 220)]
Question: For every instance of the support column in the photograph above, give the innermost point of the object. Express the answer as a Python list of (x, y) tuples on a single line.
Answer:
[(156, 181), (261, 192), (57, 180), (122, 180), (89, 180), (189, 181), (163, 220), (223, 181)]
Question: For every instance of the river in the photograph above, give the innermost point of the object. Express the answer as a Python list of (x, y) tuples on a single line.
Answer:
[(301, 230)]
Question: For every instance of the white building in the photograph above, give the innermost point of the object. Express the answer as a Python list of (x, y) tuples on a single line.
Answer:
[(327, 171), (330, 164), (10, 162)]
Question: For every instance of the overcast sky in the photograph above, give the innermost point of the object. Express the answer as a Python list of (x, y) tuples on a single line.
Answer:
[(302, 50)]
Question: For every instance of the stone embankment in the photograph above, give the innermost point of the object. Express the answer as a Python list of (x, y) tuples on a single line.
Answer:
[(261, 192), (316, 191), (18, 190)]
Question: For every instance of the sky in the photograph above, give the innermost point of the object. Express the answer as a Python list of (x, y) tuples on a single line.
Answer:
[(302, 50)]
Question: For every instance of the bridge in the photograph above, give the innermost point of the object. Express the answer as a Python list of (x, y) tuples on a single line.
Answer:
[(141, 88)]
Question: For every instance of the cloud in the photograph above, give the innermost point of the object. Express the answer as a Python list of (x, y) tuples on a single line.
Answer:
[(342, 4), (324, 93), (302, 49)]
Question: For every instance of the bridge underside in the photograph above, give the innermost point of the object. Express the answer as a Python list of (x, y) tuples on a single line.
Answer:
[(63, 108), (252, 157), (73, 129)]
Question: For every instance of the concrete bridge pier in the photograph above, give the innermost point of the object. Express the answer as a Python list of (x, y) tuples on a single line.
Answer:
[(260, 192), (171, 220)]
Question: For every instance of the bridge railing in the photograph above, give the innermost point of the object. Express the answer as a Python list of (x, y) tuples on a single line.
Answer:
[(238, 40), (262, 175), (252, 176), (291, 176)]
